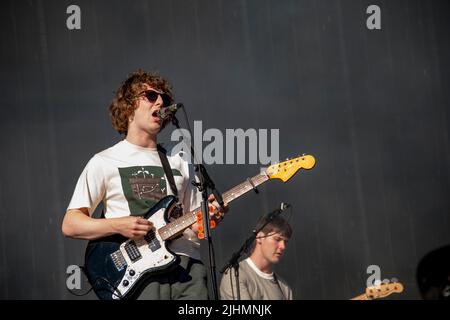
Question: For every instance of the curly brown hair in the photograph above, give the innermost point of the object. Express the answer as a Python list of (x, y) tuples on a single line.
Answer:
[(123, 104)]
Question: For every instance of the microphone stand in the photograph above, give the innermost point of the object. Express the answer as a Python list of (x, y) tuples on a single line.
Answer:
[(206, 186), (233, 263)]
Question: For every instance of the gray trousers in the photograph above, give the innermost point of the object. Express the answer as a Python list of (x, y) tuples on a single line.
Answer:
[(186, 281)]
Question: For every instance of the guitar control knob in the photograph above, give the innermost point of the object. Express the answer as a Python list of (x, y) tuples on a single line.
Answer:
[(132, 272), (125, 283)]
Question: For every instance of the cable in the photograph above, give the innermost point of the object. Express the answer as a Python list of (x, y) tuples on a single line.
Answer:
[(94, 285)]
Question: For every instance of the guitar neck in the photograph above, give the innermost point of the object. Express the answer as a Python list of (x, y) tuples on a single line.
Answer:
[(173, 228), (243, 188)]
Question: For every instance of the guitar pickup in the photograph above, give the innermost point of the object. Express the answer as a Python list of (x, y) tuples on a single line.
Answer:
[(153, 243), (132, 251)]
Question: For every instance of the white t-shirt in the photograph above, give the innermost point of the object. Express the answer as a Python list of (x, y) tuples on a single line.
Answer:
[(129, 180), (254, 284)]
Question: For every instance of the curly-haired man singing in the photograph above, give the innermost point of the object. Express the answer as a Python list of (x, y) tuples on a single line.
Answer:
[(129, 178)]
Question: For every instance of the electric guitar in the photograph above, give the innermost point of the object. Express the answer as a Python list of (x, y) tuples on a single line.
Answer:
[(381, 291), (115, 265)]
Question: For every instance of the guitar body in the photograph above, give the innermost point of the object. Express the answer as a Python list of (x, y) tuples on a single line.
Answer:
[(116, 265)]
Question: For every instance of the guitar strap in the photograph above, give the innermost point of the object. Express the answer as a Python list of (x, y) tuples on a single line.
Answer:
[(167, 170)]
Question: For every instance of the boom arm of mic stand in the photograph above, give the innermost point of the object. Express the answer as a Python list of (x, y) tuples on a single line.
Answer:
[(233, 262)]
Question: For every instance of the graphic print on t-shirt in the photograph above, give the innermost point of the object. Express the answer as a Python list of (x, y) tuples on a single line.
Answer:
[(144, 186)]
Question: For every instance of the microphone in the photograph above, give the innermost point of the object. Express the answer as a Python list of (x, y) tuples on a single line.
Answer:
[(167, 113), (277, 212)]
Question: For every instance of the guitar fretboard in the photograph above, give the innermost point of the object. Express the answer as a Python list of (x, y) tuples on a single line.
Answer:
[(173, 228)]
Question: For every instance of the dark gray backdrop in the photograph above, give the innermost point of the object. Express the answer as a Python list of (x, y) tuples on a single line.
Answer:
[(371, 106)]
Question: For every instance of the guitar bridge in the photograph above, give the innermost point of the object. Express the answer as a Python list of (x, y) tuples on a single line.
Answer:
[(118, 260)]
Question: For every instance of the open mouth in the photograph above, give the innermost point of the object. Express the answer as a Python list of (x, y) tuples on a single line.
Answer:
[(155, 116)]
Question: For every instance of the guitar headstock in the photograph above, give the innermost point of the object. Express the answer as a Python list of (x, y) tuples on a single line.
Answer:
[(286, 169), (383, 290)]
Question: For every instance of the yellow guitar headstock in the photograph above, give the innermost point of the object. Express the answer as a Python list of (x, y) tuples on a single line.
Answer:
[(286, 169), (383, 290)]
